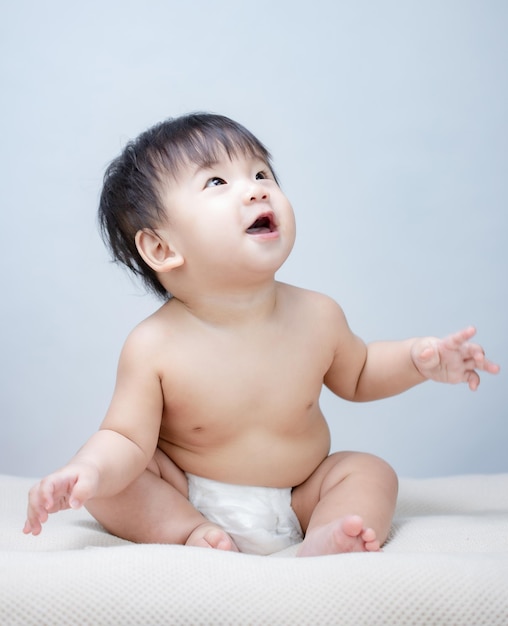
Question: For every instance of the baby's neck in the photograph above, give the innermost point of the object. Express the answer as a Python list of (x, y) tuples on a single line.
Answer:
[(235, 308)]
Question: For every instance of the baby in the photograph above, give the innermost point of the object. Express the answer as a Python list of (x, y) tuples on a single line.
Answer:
[(214, 436)]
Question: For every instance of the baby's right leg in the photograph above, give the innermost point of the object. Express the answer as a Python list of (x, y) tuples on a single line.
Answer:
[(155, 509)]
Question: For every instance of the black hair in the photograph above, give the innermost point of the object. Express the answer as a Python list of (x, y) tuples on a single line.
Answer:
[(131, 195)]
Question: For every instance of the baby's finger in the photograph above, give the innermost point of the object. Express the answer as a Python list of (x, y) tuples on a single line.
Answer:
[(48, 492), (481, 361), (36, 516), (489, 367), (473, 380), (83, 490), (32, 527), (426, 361), (38, 498), (456, 340), (33, 524), (469, 365)]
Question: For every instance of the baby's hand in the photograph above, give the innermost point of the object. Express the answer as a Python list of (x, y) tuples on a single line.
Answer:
[(453, 359), (69, 487)]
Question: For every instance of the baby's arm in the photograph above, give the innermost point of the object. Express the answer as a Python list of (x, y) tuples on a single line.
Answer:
[(362, 372), (393, 367), (114, 456), (100, 468)]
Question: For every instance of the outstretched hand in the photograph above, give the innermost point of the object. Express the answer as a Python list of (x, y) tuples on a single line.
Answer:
[(67, 488), (452, 359)]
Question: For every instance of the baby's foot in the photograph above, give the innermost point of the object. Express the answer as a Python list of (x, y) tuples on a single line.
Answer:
[(344, 535), (209, 535)]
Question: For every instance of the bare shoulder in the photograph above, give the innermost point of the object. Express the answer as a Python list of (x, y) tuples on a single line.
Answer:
[(321, 307), (146, 339)]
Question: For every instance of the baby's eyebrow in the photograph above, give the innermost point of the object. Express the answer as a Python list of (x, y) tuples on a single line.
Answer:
[(204, 165)]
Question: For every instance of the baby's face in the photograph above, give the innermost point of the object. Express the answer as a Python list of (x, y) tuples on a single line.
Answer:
[(230, 216)]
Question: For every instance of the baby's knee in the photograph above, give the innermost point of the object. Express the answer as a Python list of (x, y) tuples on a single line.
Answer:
[(378, 467), (369, 464)]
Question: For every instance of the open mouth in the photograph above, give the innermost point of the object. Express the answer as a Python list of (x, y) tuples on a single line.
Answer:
[(263, 224)]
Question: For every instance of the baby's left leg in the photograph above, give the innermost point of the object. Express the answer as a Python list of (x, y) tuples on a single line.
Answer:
[(346, 505)]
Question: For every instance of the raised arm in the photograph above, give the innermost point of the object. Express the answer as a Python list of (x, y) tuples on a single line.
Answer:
[(362, 372), (119, 452)]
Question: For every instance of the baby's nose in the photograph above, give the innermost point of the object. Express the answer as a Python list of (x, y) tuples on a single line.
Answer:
[(256, 192)]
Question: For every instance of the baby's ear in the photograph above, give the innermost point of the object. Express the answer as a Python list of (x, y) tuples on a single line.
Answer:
[(156, 251)]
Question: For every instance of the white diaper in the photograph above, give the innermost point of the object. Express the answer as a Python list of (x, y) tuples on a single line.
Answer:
[(260, 520)]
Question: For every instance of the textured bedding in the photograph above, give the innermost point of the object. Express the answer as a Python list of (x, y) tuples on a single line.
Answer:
[(446, 562)]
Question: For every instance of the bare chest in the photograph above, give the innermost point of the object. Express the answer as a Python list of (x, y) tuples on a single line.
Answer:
[(231, 387)]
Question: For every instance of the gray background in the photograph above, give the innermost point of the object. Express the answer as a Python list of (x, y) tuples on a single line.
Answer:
[(388, 124)]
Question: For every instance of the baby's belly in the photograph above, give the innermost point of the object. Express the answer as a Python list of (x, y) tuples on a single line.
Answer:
[(255, 458)]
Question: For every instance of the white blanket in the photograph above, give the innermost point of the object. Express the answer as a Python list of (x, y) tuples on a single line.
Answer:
[(446, 563)]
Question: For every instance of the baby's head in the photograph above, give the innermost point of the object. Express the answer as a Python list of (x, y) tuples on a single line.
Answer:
[(131, 198)]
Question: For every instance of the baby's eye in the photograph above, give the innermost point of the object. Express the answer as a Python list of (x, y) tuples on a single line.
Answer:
[(262, 175), (215, 181)]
